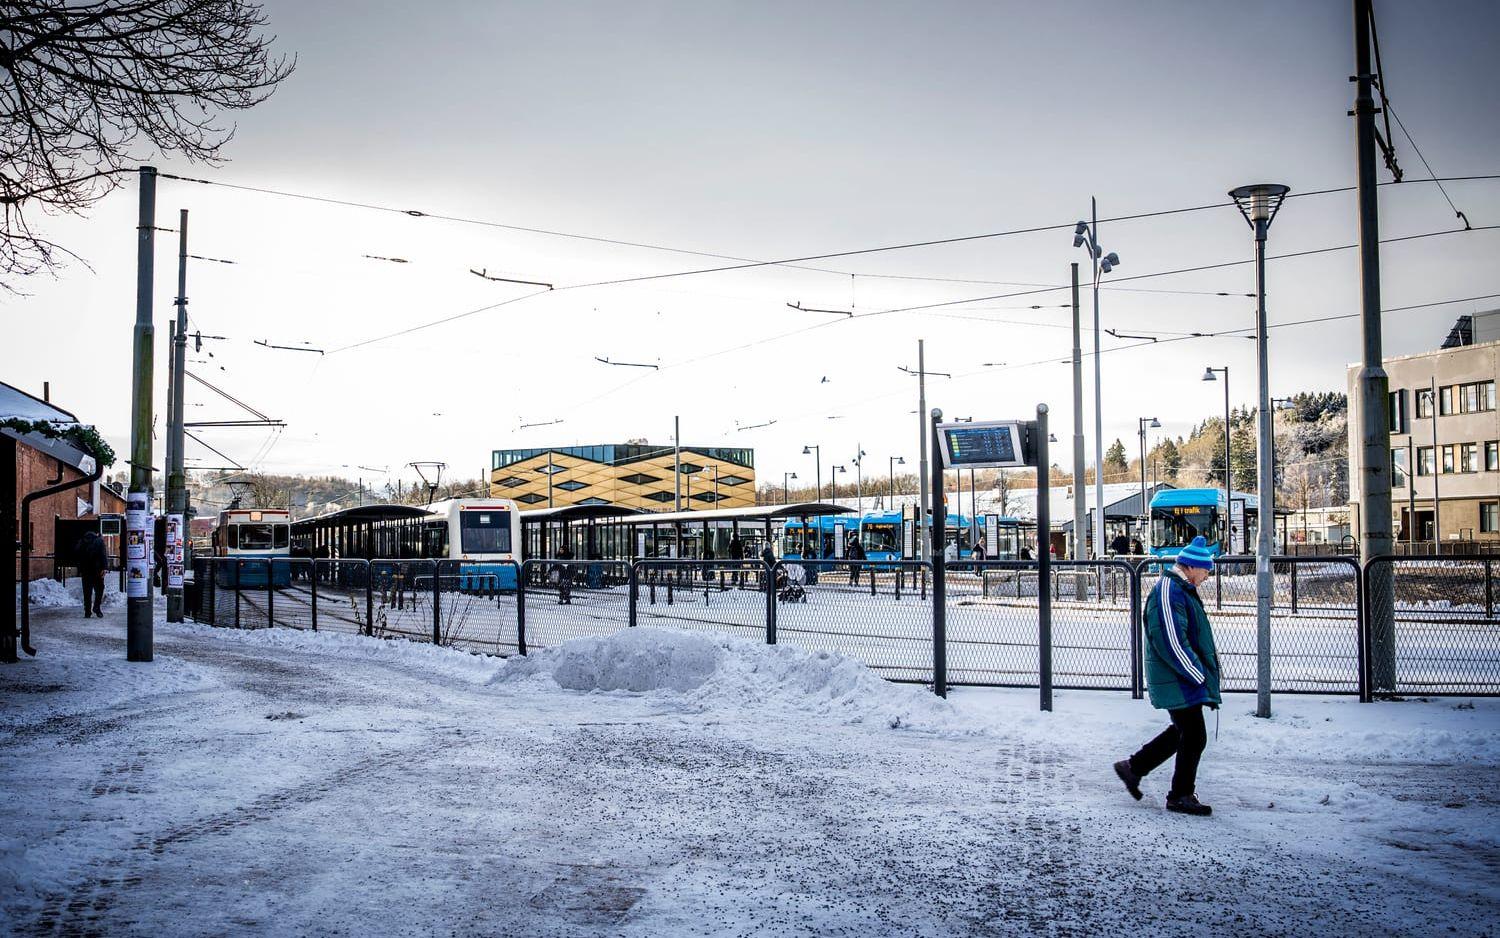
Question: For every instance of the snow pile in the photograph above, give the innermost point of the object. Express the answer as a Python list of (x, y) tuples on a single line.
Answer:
[(49, 594), (720, 672), (464, 666)]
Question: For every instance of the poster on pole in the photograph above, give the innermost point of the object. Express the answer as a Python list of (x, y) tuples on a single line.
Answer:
[(175, 551), (992, 536), (138, 523), (838, 540)]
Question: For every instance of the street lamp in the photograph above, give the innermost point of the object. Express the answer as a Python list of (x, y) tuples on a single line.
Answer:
[(1145, 423), (891, 463), (1208, 375), (817, 453), (1259, 204), (786, 491), (833, 487), (1086, 236)]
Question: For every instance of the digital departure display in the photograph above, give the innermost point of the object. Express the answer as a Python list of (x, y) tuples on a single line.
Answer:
[(996, 444)]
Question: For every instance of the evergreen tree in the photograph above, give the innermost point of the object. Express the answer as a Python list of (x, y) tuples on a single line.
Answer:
[(1115, 463), (1169, 458), (1242, 451)]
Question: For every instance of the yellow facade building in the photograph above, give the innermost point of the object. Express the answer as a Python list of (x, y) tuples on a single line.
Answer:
[(629, 475)]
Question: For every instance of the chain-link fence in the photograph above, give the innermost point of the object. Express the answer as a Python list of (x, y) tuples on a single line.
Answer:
[(1314, 617), (1444, 633), (1445, 637)]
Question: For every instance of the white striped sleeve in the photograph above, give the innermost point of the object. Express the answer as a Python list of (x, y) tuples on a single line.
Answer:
[(1169, 621)]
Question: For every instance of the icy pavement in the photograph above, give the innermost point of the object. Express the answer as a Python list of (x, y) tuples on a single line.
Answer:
[(285, 783)]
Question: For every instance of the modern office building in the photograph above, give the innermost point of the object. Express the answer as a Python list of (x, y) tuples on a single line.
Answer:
[(630, 475), (1445, 438)]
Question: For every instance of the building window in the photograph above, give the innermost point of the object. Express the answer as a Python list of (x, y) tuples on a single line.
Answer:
[(732, 480), (1445, 401), (1468, 457), (659, 496), (1492, 456), (1398, 411), (1399, 469), (1448, 454), (511, 482), (594, 501), (638, 478), (1425, 466), (572, 485), (1489, 518), (1487, 395), (1424, 402), (531, 498), (689, 468)]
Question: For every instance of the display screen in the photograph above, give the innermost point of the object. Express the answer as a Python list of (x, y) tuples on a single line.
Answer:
[(981, 445)]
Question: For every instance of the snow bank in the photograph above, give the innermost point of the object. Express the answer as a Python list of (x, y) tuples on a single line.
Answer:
[(50, 594), (714, 672)]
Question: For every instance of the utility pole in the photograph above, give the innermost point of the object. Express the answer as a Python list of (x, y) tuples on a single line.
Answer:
[(1080, 535), (1098, 397), (924, 529), (177, 498), (139, 627), (1372, 381), (676, 463)]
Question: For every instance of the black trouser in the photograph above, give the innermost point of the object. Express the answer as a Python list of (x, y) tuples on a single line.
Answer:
[(565, 584), (93, 590), (854, 574), (1186, 737)]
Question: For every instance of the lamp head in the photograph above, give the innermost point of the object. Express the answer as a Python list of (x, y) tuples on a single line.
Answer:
[(1109, 262), (1078, 232), (1154, 424), (792, 476), (900, 460), (1208, 375), (1259, 202), (807, 450)]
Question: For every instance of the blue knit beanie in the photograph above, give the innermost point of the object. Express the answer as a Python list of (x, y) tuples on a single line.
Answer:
[(1197, 555)]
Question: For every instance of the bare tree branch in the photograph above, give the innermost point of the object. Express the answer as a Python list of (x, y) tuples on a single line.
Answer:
[(88, 90)]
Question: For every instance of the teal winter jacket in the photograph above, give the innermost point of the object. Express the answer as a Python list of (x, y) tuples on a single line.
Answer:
[(1182, 667)]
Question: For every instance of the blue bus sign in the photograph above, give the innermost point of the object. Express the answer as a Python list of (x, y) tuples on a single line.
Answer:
[(995, 444)]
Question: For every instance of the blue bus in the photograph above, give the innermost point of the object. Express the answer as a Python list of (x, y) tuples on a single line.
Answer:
[(883, 536), (1179, 515)]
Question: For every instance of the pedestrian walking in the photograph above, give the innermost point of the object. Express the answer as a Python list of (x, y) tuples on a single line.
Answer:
[(977, 552), (1120, 545), (565, 576), (1182, 676), (736, 554), (856, 554), (92, 559), (1136, 547)]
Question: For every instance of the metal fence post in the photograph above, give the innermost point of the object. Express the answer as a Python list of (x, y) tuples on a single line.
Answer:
[(771, 603), (1489, 590), (270, 594), (369, 599), (634, 578), (312, 579), (521, 608), (437, 602), (239, 570), (1293, 562), (1137, 691), (1362, 629)]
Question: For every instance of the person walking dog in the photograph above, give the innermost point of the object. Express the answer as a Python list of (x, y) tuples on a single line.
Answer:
[(1182, 676)]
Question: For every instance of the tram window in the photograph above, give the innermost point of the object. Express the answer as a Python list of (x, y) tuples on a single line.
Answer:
[(283, 535), (485, 532), (435, 541), (232, 536), (255, 536)]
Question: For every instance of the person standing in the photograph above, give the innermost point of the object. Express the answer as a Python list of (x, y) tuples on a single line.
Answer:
[(565, 575), (1182, 677), (856, 554), (92, 560)]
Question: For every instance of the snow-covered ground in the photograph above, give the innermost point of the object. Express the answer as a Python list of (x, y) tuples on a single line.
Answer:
[(655, 782)]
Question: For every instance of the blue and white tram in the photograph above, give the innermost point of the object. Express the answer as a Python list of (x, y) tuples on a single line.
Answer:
[(256, 536), (484, 534)]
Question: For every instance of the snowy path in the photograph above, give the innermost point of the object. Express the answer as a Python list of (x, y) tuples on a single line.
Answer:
[(286, 783)]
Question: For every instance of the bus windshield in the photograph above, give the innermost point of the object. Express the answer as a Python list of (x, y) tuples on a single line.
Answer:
[(1178, 525), (485, 532), (880, 536)]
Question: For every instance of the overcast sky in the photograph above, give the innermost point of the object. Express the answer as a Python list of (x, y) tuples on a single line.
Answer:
[(767, 131)]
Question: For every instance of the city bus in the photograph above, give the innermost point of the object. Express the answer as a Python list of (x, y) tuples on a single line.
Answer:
[(1179, 515)]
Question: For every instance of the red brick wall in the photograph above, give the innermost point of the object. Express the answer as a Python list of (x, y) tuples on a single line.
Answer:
[(36, 470)]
